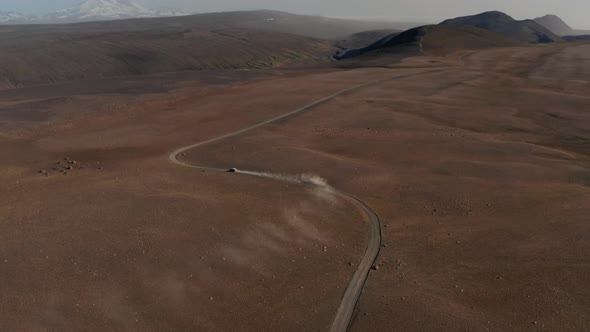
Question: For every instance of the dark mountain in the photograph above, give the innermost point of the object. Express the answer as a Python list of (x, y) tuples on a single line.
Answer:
[(525, 31), (555, 24), (432, 40)]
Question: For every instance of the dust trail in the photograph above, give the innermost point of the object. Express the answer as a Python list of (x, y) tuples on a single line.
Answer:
[(308, 179), (318, 185), (353, 292)]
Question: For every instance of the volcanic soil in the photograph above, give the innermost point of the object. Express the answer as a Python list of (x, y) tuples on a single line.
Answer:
[(478, 165)]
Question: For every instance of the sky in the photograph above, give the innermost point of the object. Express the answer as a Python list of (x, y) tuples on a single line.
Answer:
[(574, 12)]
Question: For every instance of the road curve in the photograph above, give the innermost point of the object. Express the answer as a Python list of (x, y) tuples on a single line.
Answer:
[(353, 292), (351, 297)]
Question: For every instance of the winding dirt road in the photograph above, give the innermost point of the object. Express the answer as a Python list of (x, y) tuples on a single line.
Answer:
[(351, 297)]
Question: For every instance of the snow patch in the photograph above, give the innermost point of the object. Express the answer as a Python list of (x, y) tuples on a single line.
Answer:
[(92, 10)]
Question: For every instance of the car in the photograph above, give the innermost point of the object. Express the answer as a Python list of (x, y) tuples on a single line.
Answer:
[(232, 170)]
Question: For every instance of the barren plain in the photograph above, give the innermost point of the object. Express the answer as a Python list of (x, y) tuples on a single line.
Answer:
[(477, 163)]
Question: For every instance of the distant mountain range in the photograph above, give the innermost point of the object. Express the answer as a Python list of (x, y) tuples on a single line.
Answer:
[(247, 40), (485, 30), (91, 10), (542, 29)]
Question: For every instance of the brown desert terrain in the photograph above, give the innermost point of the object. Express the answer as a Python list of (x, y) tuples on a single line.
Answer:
[(477, 163), (212, 41)]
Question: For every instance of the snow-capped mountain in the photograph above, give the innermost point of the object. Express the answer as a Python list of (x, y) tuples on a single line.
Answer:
[(12, 18), (91, 10), (169, 12)]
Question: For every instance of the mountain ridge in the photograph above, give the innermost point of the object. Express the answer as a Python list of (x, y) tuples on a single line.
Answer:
[(525, 31), (431, 40)]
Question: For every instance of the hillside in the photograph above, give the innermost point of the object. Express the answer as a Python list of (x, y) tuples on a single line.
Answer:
[(120, 10), (37, 54), (555, 24), (362, 39), (432, 40), (304, 25), (525, 31)]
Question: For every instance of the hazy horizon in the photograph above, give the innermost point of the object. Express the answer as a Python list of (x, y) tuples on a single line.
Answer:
[(427, 11)]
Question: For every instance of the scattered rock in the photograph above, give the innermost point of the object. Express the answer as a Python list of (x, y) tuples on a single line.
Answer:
[(375, 267)]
